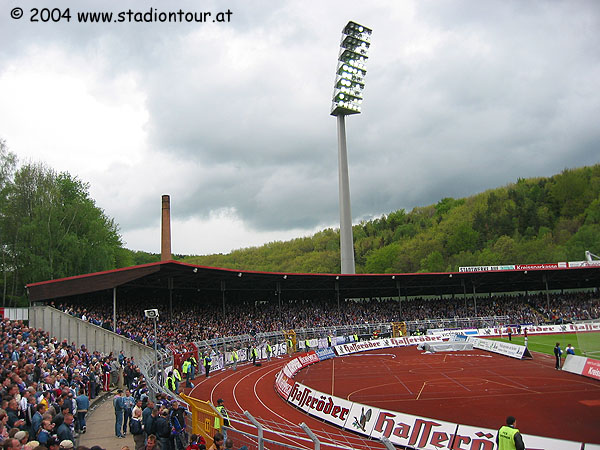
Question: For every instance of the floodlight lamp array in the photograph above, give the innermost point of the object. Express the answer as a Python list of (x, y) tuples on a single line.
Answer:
[(351, 69), (358, 31)]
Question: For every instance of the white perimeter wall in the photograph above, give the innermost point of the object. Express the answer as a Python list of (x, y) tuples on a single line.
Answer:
[(64, 326)]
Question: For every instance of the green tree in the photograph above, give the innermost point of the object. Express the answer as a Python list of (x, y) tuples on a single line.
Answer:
[(464, 237), (55, 229), (382, 260), (8, 161), (592, 213), (434, 262), (586, 238)]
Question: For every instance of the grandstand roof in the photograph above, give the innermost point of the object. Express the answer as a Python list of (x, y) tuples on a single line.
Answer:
[(199, 282)]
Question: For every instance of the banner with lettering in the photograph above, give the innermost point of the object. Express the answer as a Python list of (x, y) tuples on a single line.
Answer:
[(326, 407)]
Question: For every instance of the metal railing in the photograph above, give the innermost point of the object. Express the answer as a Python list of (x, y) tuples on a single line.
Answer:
[(365, 331), (259, 434)]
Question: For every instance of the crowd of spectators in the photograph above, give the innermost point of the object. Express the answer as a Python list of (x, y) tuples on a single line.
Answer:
[(199, 321), (567, 307), (46, 386)]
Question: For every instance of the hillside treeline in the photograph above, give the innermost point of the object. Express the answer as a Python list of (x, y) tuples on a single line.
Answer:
[(534, 220)]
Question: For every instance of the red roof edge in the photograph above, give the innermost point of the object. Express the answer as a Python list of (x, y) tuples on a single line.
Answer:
[(85, 275)]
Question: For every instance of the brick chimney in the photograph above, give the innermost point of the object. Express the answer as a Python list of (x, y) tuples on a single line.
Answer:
[(165, 235)]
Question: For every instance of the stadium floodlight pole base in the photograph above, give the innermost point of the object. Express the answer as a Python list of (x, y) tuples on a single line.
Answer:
[(346, 239)]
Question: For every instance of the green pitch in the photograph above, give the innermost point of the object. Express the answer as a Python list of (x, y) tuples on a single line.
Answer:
[(544, 343)]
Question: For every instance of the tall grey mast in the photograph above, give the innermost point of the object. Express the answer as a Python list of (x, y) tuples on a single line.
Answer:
[(347, 99)]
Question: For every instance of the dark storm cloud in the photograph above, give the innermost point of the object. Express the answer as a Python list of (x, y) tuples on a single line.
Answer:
[(461, 96), (496, 93)]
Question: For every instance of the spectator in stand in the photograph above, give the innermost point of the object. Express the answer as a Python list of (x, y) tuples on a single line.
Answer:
[(163, 430), (128, 404), (12, 412), (147, 418), (83, 404), (66, 444), (196, 443), (11, 444), (22, 437), (115, 370), (119, 406), (64, 433), (177, 421), (136, 428), (45, 432), (218, 442), (229, 445), (138, 406), (36, 420), (151, 443)]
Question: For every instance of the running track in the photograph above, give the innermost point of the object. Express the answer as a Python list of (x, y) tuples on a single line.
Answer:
[(474, 388)]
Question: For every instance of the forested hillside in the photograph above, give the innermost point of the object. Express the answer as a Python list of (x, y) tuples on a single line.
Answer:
[(531, 221)]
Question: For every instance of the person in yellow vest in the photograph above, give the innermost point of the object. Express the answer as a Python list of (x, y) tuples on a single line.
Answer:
[(170, 382), (177, 378), (254, 354), (187, 373), (223, 411), (207, 363), (329, 339), (194, 363), (269, 350), (355, 337), (509, 437), (306, 344), (234, 358), (290, 346)]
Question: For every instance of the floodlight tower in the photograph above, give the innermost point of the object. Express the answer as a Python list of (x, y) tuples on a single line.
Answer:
[(347, 99)]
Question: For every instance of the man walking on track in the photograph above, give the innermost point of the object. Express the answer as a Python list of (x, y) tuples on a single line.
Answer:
[(509, 437)]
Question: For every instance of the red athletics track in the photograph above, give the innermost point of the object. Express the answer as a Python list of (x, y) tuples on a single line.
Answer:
[(252, 388), (472, 388), (469, 387)]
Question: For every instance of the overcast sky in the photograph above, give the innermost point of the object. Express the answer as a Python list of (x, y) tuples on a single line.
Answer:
[(232, 119)]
